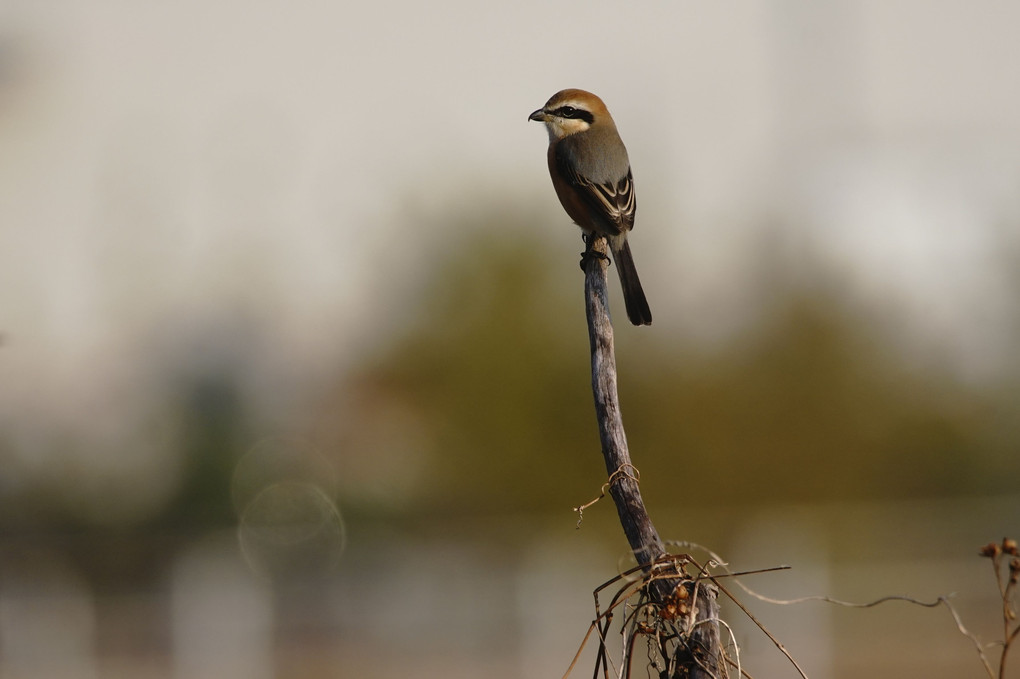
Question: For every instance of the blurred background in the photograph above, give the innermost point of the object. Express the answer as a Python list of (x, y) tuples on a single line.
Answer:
[(293, 360)]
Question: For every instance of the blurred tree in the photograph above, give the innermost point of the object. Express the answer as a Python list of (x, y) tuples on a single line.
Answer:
[(497, 380), (810, 405)]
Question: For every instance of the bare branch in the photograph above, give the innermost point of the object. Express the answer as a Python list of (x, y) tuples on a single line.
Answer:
[(703, 658)]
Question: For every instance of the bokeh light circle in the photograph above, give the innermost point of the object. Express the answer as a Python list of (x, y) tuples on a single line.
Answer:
[(289, 523)]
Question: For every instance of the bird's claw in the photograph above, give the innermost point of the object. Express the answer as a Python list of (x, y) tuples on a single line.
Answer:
[(589, 254)]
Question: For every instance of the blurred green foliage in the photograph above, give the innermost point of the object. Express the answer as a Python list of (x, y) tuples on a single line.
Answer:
[(811, 404), (476, 400)]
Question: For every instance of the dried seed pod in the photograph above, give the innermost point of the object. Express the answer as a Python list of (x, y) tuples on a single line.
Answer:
[(991, 550)]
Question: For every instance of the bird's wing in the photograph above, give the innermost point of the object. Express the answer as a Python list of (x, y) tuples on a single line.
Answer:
[(612, 203)]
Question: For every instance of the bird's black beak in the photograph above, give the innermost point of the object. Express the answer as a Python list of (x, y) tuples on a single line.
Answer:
[(538, 115)]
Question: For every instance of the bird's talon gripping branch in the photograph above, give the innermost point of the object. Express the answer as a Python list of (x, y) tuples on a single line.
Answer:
[(589, 254)]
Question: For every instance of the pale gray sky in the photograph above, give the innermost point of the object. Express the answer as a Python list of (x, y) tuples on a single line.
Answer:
[(167, 160)]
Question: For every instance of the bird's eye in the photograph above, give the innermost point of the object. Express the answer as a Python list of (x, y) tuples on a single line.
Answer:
[(568, 111)]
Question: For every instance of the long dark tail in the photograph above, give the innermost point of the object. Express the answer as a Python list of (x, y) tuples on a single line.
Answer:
[(633, 296)]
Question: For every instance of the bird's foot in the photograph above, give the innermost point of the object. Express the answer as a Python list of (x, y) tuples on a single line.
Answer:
[(589, 253)]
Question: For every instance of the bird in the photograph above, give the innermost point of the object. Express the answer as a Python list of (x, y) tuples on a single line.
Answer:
[(591, 174)]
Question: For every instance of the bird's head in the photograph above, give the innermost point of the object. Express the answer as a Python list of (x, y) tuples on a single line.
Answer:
[(571, 111)]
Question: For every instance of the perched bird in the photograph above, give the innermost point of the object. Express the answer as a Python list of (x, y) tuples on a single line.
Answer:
[(591, 174)]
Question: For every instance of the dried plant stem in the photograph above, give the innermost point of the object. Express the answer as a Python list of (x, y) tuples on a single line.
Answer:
[(704, 661)]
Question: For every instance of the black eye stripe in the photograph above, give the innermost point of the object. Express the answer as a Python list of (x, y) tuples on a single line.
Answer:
[(575, 113)]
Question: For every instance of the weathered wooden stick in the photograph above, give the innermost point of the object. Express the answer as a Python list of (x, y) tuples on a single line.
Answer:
[(626, 493), (704, 659)]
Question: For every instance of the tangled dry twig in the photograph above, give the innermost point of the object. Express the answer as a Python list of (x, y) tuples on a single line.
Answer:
[(667, 627)]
